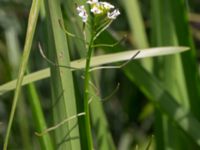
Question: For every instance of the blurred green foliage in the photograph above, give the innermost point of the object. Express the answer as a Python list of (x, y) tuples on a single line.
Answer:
[(132, 114)]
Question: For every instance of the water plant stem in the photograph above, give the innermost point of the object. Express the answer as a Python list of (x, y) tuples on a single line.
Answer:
[(86, 96)]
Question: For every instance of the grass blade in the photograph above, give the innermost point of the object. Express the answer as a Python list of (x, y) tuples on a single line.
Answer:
[(164, 101), (66, 136), (96, 61), (181, 89), (33, 16), (180, 18), (38, 117), (167, 74), (136, 23), (99, 121), (137, 27)]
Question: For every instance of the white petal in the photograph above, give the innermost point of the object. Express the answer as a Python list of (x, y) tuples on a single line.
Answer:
[(113, 15), (92, 1), (82, 13), (107, 5), (80, 8)]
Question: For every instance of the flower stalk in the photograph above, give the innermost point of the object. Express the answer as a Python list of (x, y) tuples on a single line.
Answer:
[(102, 15), (86, 96)]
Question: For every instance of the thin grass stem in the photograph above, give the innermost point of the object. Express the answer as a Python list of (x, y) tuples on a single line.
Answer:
[(34, 11), (59, 124)]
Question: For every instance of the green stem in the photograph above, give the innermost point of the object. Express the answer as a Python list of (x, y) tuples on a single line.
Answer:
[(32, 22), (86, 96)]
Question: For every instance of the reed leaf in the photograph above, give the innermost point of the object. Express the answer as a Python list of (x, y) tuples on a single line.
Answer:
[(66, 136), (33, 16), (96, 61)]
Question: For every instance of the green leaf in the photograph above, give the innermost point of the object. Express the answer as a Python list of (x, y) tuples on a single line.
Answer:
[(66, 136), (164, 101), (33, 16), (96, 61)]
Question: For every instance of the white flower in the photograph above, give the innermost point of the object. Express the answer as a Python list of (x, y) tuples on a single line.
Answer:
[(99, 7), (96, 10), (106, 5), (113, 15), (82, 13), (81, 9), (92, 1)]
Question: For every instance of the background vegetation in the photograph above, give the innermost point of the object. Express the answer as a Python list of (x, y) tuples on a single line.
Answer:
[(156, 105)]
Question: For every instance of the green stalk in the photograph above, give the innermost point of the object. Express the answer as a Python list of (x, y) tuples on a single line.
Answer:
[(27, 48), (86, 97), (38, 116)]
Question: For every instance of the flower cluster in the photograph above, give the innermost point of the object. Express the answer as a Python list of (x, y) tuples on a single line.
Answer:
[(82, 13), (98, 8)]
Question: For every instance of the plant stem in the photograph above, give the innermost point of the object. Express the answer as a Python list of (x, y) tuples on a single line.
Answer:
[(86, 96), (32, 22)]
